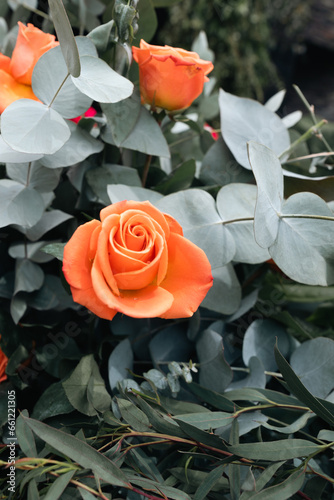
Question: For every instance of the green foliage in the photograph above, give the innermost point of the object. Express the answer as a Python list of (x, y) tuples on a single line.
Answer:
[(234, 402)]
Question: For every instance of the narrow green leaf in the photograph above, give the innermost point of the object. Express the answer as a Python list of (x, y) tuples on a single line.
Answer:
[(276, 450), (65, 36), (80, 452), (300, 391), (32, 490), (234, 469), (326, 435), (207, 420), (263, 479), (58, 486), (162, 489), (284, 490), (209, 482), (292, 428), (202, 436), (86, 495), (197, 478), (213, 398), (163, 424), (25, 436), (133, 415)]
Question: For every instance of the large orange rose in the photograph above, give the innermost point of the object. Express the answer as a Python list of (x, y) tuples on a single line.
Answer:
[(136, 262), (170, 78), (15, 72)]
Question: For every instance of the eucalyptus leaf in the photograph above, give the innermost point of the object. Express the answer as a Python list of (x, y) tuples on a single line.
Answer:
[(101, 34), (85, 388), (65, 36), (303, 247), (276, 450), (20, 205), (225, 294), (274, 102), (148, 20), (101, 83), (59, 485), (220, 167), (25, 436), (269, 178), (195, 210), (292, 119), (51, 84), (133, 415), (236, 206), (53, 402), (208, 483), (260, 339), (255, 378), (120, 361), (28, 276), (48, 221), (207, 420), (99, 178), (215, 373), (313, 363), (32, 127), (244, 120), (292, 428), (79, 146), (10, 155), (120, 192), (146, 137), (80, 452), (300, 391), (35, 175), (55, 249), (122, 117)]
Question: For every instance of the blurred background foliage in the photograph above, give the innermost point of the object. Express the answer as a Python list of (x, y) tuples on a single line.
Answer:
[(255, 41)]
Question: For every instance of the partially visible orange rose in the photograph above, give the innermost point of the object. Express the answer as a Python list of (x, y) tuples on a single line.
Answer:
[(170, 78), (136, 262), (3, 364), (15, 72)]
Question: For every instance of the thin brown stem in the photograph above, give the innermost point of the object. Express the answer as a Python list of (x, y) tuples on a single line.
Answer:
[(146, 169)]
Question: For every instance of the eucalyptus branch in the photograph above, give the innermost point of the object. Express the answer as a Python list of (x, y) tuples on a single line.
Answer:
[(36, 11), (146, 169), (306, 216), (59, 89), (314, 130), (308, 157), (310, 108)]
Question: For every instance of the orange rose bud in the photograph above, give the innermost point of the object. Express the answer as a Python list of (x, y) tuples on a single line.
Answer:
[(136, 262), (170, 78), (15, 72)]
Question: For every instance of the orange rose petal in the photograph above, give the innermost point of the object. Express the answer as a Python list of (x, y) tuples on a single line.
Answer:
[(3, 364), (5, 63), (12, 91), (143, 206), (109, 225), (89, 299), (174, 226), (78, 252), (160, 79), (148, 302), (31, 44), (143, 277), (188, 277)]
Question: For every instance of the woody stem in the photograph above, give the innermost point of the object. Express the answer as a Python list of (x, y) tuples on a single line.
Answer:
[(146, 169)]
